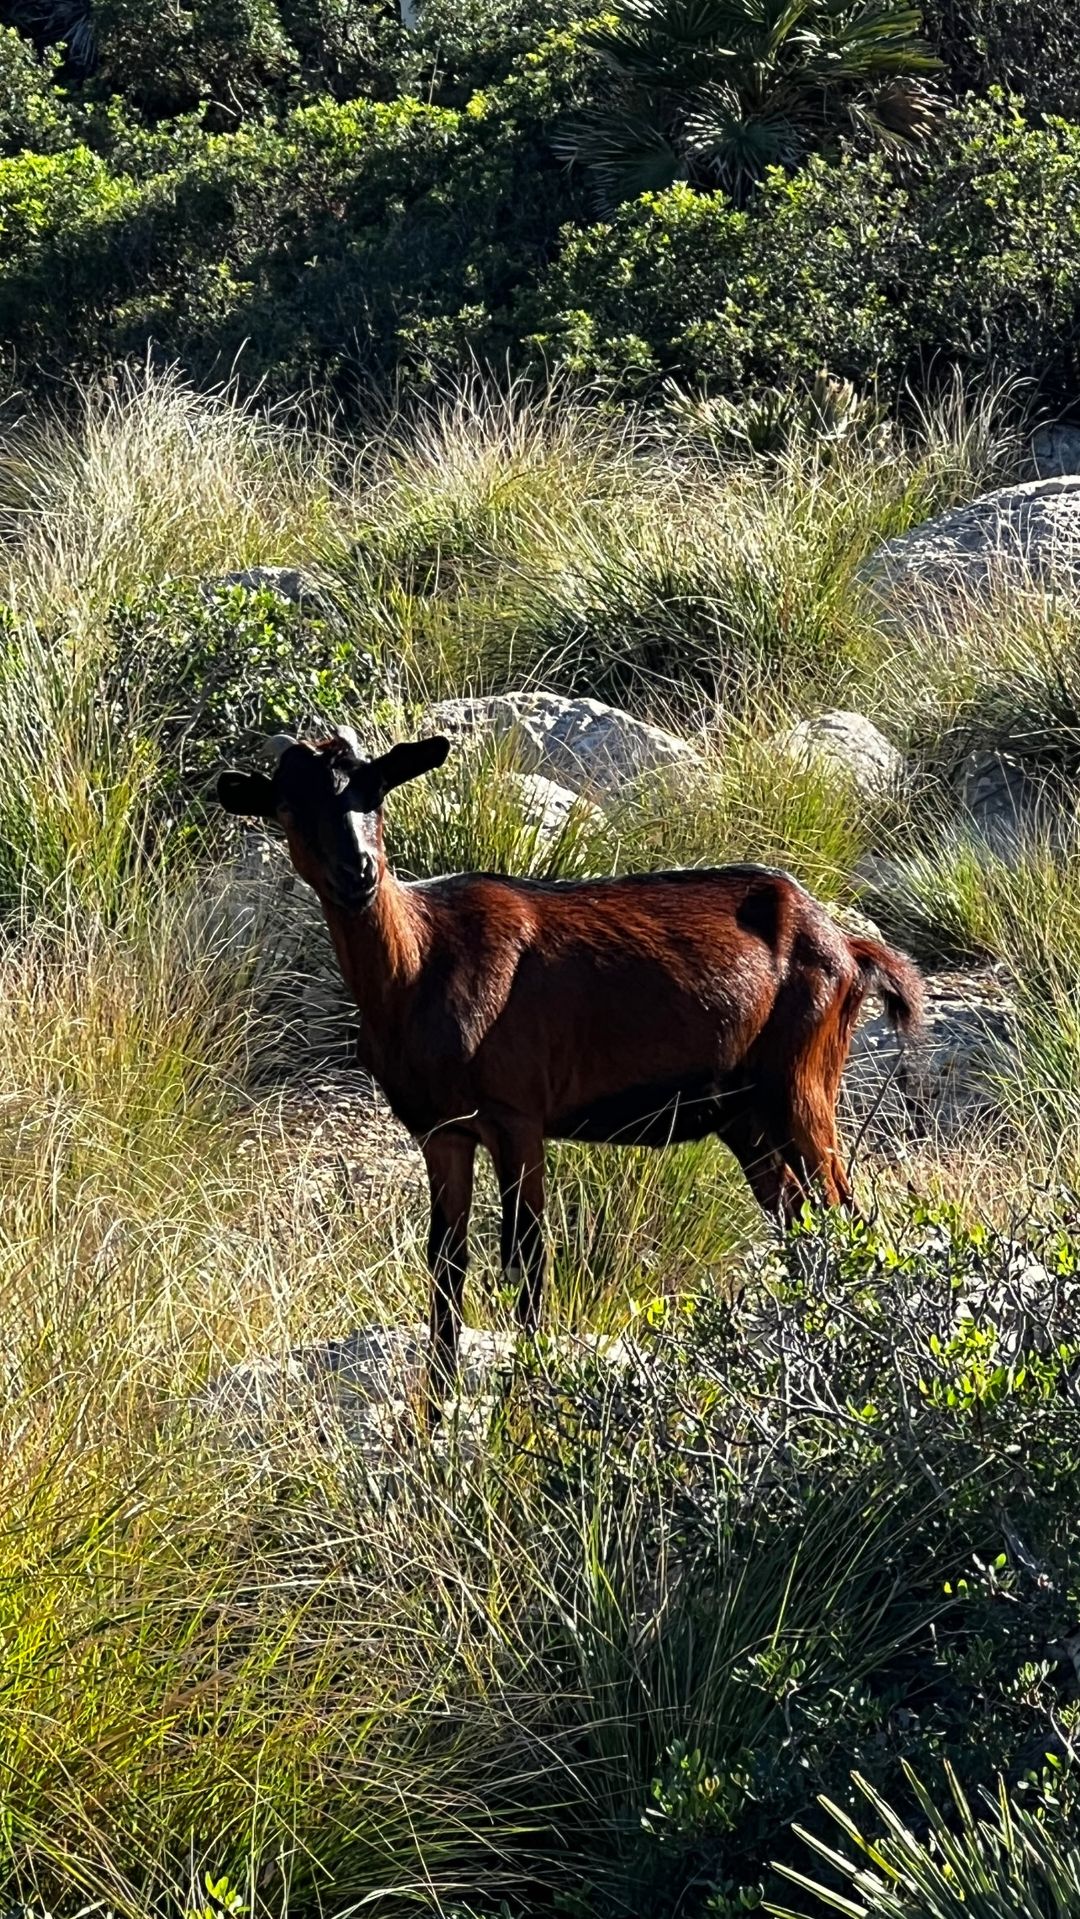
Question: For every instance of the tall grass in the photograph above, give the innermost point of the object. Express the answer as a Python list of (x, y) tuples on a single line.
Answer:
[(975, 1863), (492, 536), (460, 1675), (76, 803), (139, 478)]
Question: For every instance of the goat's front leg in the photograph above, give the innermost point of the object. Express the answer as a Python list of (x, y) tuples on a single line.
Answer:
[(449, 1159), (519, 1163)]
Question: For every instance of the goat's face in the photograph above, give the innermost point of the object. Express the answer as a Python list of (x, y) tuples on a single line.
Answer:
[(327, 799)]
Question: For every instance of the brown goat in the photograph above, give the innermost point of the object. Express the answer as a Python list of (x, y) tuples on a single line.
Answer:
[(502, 1012)]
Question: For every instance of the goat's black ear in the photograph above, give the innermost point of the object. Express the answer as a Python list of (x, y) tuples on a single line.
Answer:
[(409, 760), (249, 793)]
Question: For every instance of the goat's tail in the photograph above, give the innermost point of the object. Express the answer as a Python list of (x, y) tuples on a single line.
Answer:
[(892, 975)]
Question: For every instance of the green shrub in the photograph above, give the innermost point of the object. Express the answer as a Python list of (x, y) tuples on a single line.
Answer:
[(64, 217), (833, 1454), (1027, 47), (346, 48), (210, 671), (970, 260), (333, 244), (33, 111), (472, 44), (324, 248), (229, 56)]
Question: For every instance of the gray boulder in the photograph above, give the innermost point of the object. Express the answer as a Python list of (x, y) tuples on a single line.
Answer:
[(851, 744), (1020, 534), (582, 745), (1008, 804), (1055, 450), (548, 806)]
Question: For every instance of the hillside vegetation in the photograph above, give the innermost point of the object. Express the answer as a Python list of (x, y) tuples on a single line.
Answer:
[(736, 193), (600, 355), (601, 1664)]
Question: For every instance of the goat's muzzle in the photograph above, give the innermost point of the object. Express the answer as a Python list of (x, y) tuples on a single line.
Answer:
[(354, 883)]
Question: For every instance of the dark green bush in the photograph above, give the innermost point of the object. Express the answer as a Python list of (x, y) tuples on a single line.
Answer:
[(229, 54), (970, 260), (470, 44), (1029, 47), (325, 250), (33, 110), (223, 58), (340, 244)]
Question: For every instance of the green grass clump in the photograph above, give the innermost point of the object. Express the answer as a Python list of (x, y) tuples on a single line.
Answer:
[(140, 479), (642, 566)]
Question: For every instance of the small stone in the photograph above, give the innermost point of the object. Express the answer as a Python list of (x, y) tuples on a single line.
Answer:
[(257, 904), (1007, 804), (850, 920), (357, 1391)]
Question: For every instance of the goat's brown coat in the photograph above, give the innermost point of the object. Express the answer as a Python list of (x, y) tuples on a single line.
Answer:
[(501, 1012)]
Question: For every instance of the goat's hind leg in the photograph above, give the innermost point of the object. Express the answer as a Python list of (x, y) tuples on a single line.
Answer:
[(449, 1159), (773, 1181), (519, 1164)]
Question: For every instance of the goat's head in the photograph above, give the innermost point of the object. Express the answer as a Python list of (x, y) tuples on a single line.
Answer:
[(327, 798)]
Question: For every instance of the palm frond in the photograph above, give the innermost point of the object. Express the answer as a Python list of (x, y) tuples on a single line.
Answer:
[(736, 148), (627, 153), (54, 23), (663, 42), (860, 42), (739, 86), (900, 112)]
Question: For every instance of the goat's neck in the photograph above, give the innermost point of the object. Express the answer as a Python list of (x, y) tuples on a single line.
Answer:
[(380, 950)]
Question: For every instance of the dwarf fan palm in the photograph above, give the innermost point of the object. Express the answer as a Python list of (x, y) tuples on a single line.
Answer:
[(718, 91)]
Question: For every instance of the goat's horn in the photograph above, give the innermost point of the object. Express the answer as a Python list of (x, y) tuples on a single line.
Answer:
[(277, 745)]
